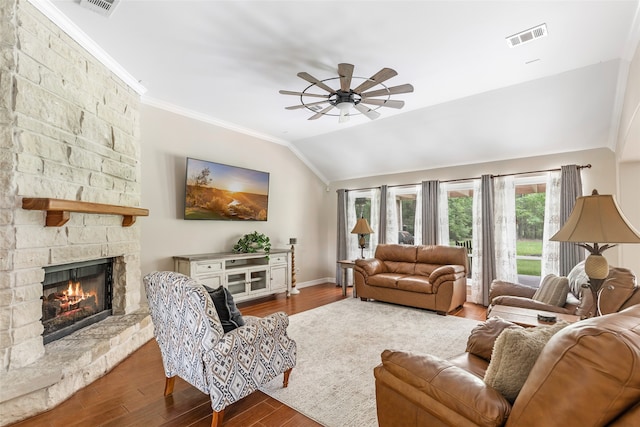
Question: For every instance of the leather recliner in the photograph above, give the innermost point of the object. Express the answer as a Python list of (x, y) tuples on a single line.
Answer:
[(586, 375), (619, 291)]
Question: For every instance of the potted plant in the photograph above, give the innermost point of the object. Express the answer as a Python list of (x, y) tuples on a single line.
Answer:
[(252, 242)]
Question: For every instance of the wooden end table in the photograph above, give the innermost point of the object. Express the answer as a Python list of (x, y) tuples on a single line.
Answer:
[(346, 264), (528, 317)]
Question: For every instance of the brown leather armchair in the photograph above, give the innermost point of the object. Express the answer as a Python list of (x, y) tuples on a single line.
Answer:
[(620, 290), (586, 375)]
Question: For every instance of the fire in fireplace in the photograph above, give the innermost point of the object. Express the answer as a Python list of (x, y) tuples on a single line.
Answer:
[(75, 296)]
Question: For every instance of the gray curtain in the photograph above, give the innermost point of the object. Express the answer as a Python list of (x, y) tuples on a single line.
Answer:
[(382, 227), (570, 190), (430, 212), (341, 237), (488, 246)]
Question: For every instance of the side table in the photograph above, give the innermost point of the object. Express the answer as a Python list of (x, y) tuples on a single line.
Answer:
[(345, 265)]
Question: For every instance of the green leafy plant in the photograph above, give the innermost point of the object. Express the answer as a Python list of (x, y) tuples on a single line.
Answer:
[(252, 242)]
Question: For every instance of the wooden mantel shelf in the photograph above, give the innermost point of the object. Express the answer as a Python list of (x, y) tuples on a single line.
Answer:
[(58, 210)]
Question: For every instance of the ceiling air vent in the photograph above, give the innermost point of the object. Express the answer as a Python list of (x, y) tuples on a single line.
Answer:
[(527, 35), (103, 7)]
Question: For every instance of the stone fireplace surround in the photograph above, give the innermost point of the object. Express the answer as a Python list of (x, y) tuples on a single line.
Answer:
[(69, 129)]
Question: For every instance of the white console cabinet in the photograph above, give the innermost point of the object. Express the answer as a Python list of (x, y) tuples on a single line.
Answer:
[(246, 276)]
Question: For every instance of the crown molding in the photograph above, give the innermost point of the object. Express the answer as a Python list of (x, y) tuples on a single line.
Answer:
[(72, 30)]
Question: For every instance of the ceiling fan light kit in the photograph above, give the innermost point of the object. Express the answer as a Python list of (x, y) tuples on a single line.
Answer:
[(346, 99)]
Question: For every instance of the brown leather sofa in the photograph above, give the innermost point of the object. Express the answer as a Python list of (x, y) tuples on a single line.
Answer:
[(429, 276), (587, 375), (620, 290)]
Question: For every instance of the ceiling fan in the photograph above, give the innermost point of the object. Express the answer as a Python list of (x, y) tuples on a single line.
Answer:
[(344, 98)]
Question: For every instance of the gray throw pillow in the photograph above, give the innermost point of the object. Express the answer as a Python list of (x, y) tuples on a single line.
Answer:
[(553, 290), (230, 316)]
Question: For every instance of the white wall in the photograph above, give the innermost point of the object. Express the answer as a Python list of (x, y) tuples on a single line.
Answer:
[(628, 154), (296, 195), (600, 176)]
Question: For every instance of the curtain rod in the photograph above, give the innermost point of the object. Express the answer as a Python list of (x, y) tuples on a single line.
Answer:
[(587, 166)]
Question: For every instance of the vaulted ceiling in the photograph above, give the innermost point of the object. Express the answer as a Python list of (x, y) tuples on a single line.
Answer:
[(476, 99)]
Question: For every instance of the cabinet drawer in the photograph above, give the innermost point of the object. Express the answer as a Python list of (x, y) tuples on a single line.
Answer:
[(208, 267), (278, 259)]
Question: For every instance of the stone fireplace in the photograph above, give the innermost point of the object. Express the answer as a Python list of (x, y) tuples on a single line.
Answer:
[(69, 131)]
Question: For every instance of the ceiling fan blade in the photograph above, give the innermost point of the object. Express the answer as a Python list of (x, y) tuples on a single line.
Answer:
[(296, 107), (383, 102), (372, 114), (345, 71), (379, 77), (308, 77), (394, 90), (320, 113), (288, 92)]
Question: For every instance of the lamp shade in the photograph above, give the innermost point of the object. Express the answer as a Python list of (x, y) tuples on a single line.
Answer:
[(362, 227), (598, 219)]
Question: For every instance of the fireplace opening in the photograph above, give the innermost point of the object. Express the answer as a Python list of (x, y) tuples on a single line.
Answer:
[(75, 296)]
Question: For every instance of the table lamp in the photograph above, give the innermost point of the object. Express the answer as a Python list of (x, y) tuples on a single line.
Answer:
[(362, 229), (597, 218)]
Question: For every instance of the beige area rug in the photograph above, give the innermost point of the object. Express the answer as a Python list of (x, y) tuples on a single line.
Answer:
[(339, 344)]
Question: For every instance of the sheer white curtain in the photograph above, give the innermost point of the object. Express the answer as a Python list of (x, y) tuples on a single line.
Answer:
[(417, 222), (443, 215), (392, 215), (504, 214), (551, 250), (476, 244), (353, 249)]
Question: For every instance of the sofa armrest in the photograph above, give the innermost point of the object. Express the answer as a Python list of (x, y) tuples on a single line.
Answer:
[(444, 273), (444, 270), (501, 287), (460, 392), (525, 303), (370, 266)]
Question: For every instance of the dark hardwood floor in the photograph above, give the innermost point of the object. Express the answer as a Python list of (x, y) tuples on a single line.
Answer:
[(132, 393)]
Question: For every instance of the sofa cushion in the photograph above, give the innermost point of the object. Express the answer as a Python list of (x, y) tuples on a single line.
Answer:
[(400, 267), (483, 336), (553, 290), (514, 354), (384, 280), (230, 316), (402, 253), (441, 255), (425, 269), (415, 284)]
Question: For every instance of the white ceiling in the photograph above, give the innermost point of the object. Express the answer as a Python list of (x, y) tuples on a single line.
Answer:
[(475, 98)]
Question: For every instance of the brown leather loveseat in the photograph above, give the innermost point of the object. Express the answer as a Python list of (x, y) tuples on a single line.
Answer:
[(587, 374), (428, 276)]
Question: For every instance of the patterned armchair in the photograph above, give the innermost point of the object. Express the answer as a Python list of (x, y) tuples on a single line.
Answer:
[(194, 346)]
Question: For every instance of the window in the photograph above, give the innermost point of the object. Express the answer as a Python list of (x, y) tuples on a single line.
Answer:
[(530, 199), (460, 203), (366, 204), (402, 225)]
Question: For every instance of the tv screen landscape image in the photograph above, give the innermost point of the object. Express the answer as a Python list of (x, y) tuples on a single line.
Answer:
[(222, 192)]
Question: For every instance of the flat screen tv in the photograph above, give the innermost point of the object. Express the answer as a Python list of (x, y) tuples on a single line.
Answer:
[(222, 192)]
